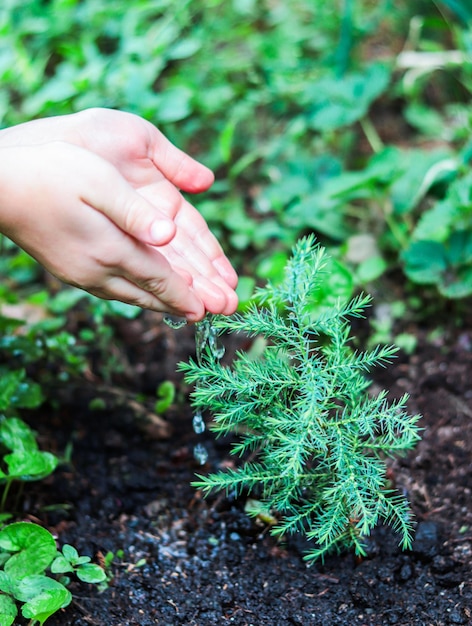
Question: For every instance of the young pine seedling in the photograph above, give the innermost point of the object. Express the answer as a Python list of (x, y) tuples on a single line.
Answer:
[(315, 440)]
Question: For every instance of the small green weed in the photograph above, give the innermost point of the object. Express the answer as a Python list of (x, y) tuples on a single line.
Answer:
[(52, 354), (317, 441), (21, 460), (165, 393), (29, 560)]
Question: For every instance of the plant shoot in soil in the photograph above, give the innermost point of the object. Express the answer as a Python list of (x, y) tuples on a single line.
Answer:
[(315, 443)]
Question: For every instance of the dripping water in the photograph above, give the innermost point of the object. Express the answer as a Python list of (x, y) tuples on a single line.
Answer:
[(175, 322), (206, 336), (217, 350), (200, 453), (206, 339), (198, 423)]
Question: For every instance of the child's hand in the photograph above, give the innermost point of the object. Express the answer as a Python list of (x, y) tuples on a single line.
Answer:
[(93, 196)]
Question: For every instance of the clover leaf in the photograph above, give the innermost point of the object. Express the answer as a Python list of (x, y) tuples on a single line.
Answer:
[(32, 547), (8, 610), (337, 102)]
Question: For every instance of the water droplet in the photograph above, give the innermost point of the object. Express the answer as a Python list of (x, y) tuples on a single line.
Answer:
[(175, 322), (198, 423), (206, 335), (200, 454), (219, 353), (216, 348), (202, 330)]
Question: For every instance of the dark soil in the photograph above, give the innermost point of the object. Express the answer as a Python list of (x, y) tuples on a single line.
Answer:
[(189, 561)]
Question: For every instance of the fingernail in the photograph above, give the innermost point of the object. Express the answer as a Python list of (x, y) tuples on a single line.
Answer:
[(162, 231)]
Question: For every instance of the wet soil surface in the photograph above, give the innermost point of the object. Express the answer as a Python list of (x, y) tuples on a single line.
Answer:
[(201, 562)]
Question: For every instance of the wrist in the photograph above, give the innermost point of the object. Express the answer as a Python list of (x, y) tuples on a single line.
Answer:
[(20, 172), (8, 183)]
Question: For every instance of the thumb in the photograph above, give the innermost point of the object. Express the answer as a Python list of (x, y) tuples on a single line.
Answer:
[(129, 210), (177, 166)]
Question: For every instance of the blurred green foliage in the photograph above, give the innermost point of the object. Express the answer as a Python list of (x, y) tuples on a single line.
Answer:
[(347, 119)]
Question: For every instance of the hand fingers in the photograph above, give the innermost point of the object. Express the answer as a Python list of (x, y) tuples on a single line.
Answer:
[(119, 288), (146, 214), (172, 280), (113, 196), (191, 223), (139, 275), (167, 218), (134, 214), (163, 272), (193, 240), (217, 295)]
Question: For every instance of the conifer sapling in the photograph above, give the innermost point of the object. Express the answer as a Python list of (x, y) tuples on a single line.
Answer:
[(316, 440)]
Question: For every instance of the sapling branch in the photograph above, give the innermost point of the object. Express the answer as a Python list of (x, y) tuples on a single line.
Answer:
[(300, 410)]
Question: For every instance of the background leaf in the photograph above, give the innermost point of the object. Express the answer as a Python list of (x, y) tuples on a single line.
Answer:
[(33, 548), (8, 610)]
